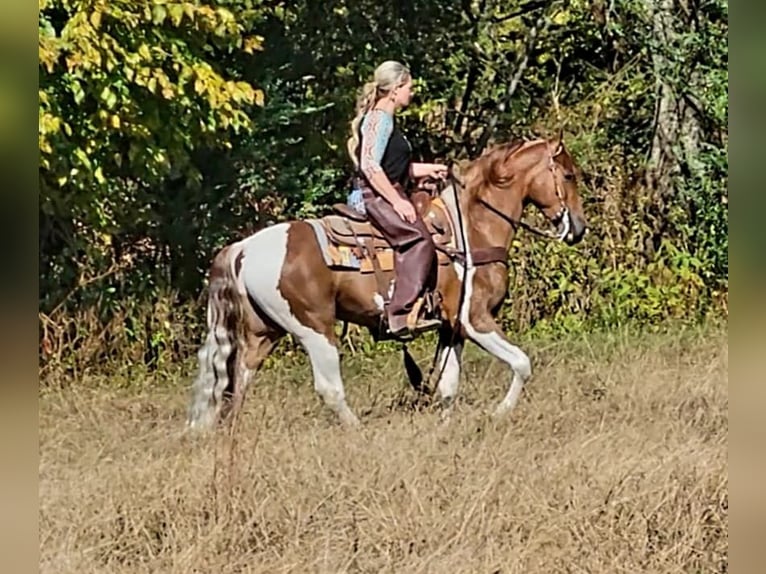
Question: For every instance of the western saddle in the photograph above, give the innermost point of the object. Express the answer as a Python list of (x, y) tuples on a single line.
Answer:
[(349, 228), (349, 231)]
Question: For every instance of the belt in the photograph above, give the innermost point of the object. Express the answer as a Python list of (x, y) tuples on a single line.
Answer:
[(361, 183)]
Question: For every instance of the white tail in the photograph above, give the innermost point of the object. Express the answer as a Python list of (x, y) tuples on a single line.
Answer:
[(222, 343)]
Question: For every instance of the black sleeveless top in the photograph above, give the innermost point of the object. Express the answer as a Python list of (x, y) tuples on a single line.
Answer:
[(396, 158)]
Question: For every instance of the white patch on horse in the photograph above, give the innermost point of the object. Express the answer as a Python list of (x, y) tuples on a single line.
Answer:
[(518, 360), (265, 254), (380, 303), (377, 298), (449, 367)]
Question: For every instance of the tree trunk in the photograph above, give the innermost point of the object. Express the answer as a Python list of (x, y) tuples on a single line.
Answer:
[(676, 126)]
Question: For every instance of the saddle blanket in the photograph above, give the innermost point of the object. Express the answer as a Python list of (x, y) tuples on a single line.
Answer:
[(345, 256)]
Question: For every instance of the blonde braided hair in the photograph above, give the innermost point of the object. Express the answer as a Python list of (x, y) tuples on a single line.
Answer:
[(388, 76)]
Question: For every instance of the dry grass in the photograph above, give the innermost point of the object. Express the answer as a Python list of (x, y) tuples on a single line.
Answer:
[(615, 461)]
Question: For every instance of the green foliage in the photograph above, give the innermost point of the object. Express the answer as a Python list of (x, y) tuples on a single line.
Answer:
[(129, 91)]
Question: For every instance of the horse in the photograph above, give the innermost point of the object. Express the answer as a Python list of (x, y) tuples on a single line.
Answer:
[(279, 281)]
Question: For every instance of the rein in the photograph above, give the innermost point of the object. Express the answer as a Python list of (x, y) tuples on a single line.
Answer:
[(546, 234), (461, 297)]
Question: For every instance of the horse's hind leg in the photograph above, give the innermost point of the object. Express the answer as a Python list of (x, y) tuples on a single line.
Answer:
[(259, 345), (285, 275), (325, 364)]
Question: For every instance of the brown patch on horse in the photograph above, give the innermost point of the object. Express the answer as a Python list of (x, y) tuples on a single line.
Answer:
[(490, 287), (306, 283), (449, 287), (317, 295)]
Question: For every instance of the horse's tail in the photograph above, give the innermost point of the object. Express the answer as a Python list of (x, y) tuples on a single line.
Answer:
[(225, 337)]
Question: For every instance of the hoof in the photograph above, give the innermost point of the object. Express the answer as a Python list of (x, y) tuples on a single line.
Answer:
[(350, 421)]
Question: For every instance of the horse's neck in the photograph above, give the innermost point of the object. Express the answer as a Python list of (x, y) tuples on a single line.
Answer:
[(452, 201)]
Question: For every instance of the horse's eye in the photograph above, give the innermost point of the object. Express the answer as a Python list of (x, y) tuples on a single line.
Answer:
[(569, 176)]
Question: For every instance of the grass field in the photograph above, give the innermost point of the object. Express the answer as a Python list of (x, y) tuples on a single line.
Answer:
[(614, 461)]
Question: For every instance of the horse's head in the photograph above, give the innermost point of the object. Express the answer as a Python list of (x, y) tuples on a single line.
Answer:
[(552, 188), (540, 172)]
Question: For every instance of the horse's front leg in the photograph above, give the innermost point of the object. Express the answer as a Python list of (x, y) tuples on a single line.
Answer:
[(451, 343), (485, 332)]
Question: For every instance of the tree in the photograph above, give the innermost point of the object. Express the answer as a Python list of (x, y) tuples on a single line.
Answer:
[(128, 91)]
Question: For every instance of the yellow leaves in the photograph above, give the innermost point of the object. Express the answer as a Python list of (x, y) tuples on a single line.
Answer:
[(206, 12), (49, 125), (108, 97), (225, 15), (176, 12), (259, 98), (253, 43), (48, 52), (159, 13), (562, 17), (144, 52), (111, 55), (156, 80), (95, 19), (44, 145)]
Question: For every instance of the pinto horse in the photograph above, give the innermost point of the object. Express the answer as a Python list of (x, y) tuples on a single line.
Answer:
[(277, 281)]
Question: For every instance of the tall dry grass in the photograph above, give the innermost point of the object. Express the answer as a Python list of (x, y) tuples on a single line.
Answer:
[(615, 461)]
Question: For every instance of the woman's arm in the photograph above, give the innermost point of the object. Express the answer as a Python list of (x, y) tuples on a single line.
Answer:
[(376, 131), (421, 170)]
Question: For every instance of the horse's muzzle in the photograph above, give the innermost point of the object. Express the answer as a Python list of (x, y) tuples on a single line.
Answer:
[(577, 229)]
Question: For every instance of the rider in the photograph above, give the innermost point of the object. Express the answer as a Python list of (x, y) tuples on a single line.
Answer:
[(382, 157)]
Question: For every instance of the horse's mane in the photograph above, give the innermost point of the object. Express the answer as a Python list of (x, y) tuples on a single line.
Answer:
[(483, 170)]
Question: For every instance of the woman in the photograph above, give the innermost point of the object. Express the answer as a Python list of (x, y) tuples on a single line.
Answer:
[(382, 157)]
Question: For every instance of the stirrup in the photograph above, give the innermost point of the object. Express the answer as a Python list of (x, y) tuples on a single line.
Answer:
[(423, 325), (414, 324), (409, 332)]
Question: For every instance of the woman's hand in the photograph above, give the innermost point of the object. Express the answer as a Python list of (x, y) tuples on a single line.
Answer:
[(437, 171), (429, 170), (405, 210)]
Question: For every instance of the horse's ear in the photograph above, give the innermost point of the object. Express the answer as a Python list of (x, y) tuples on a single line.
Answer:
[(558, 143), (457, 170)]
